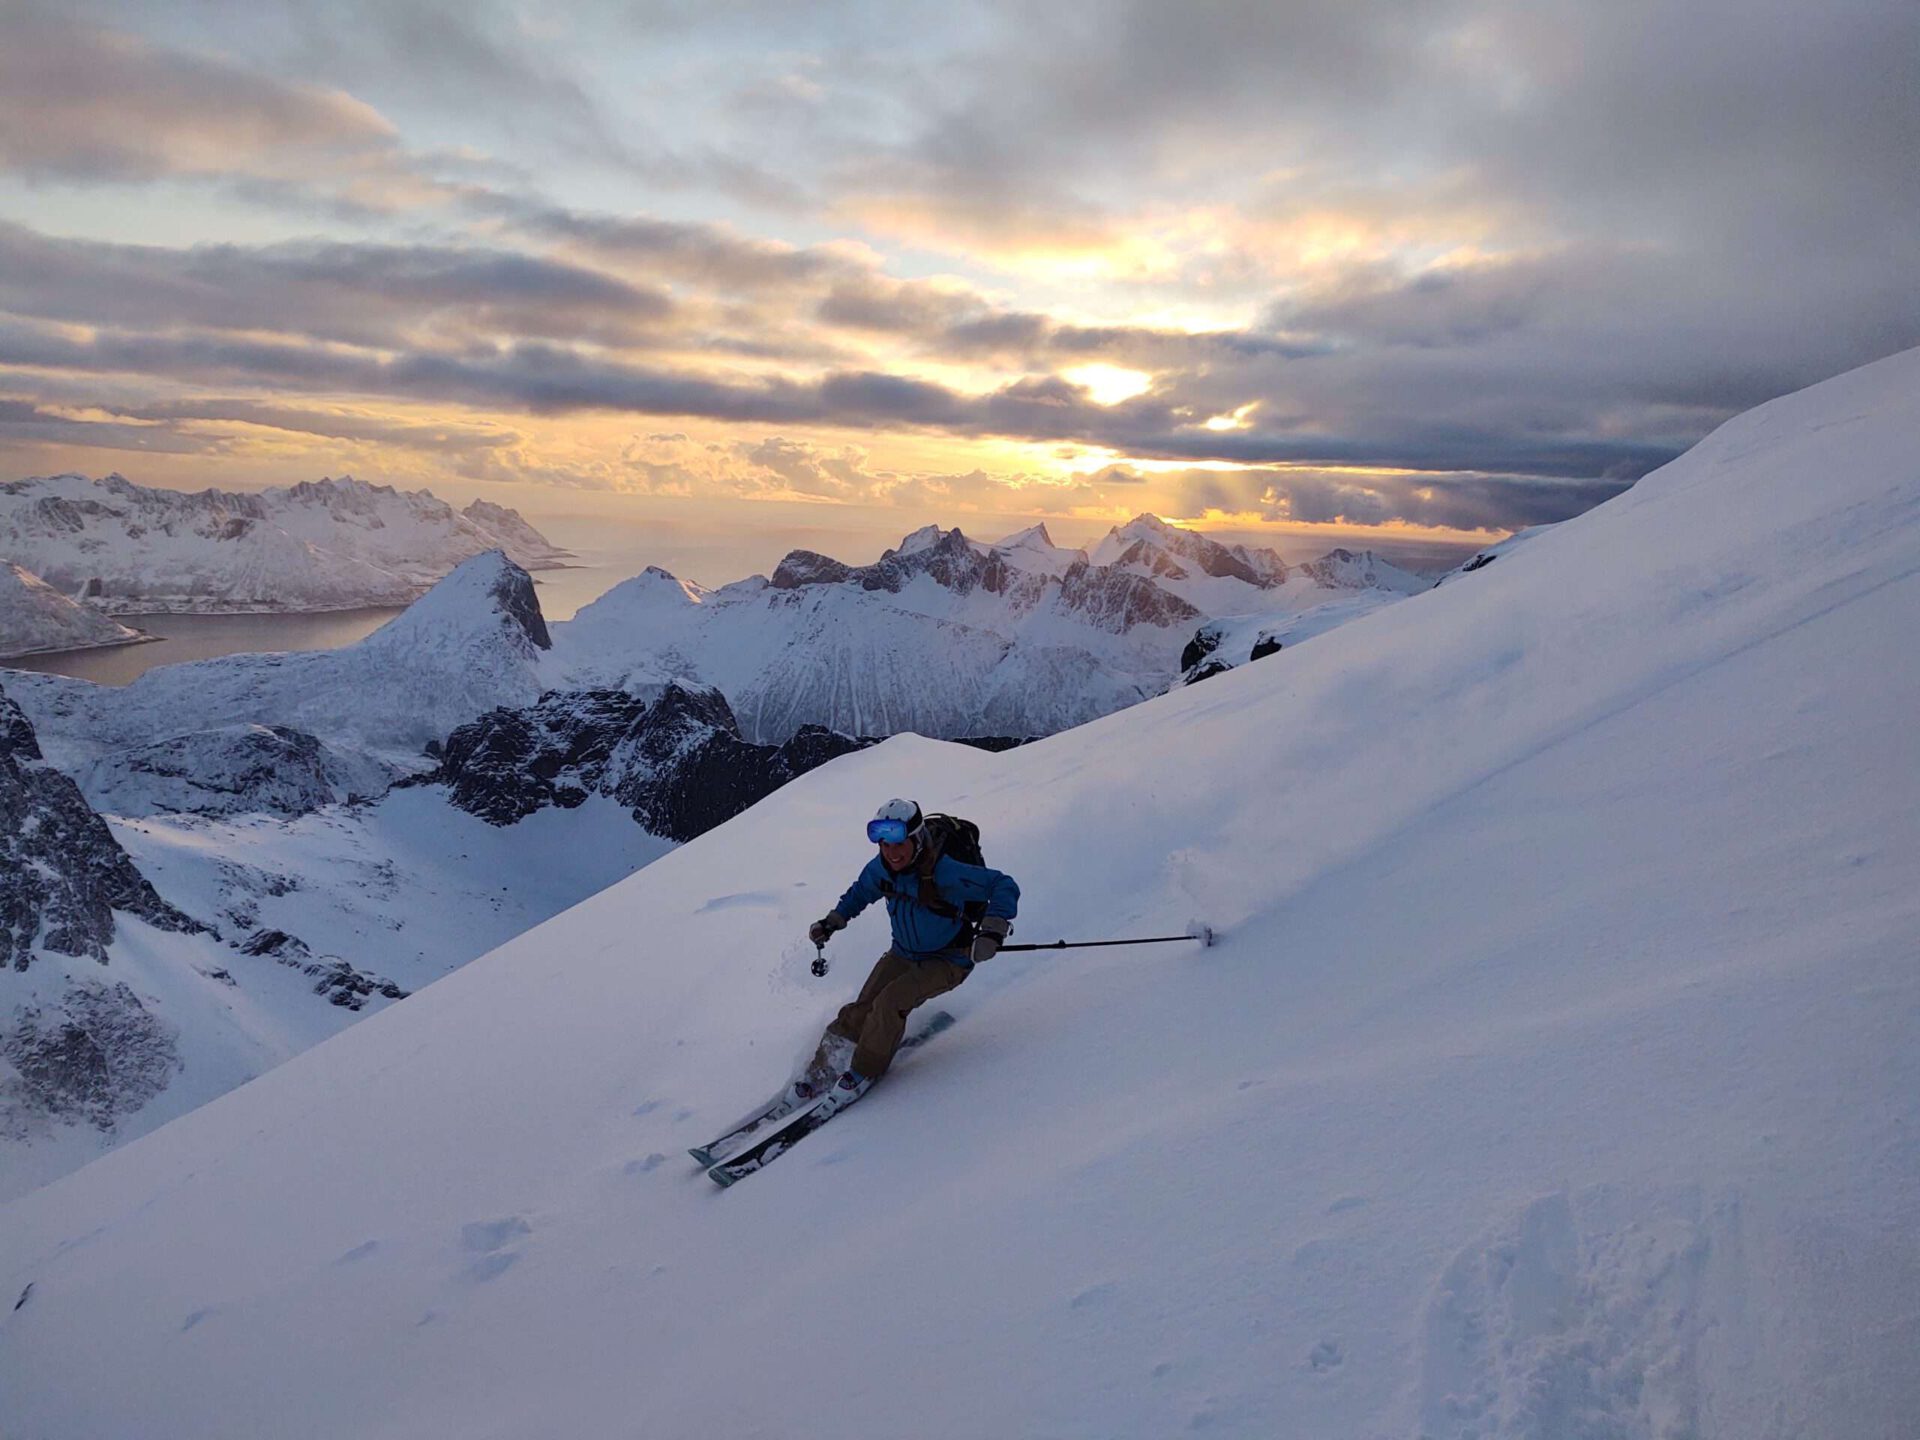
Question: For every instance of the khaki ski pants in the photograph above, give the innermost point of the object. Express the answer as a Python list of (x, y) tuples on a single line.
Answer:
[(877, 1021)]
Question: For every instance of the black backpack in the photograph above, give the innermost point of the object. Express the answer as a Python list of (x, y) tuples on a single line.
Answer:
[(950, 835)]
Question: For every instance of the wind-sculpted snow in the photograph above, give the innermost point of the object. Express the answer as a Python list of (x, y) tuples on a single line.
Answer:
[(321, 545), (1553, 1075), (35, 617)]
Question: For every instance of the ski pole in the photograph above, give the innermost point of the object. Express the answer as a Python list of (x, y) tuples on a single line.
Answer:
[(1204, 936), (819, 958)]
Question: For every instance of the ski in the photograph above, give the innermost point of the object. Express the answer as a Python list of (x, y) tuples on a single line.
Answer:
[(773, 1112), (779, 1109), (768, 1149)]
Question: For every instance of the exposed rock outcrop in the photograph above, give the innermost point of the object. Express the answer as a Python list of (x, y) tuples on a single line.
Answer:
[(677, 762), (237, 769), (95, 1056), (62, 874)]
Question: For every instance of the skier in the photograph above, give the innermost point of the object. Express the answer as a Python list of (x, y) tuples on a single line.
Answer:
[(935, 943)]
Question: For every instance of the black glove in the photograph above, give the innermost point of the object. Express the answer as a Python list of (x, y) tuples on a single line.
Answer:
[(822, 929), (988, 937)]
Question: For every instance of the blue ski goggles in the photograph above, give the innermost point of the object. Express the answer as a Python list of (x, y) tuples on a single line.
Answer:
[(887, 832)]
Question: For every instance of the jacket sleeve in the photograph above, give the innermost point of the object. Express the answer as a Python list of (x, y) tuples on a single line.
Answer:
[(862, 893), (977, 882)]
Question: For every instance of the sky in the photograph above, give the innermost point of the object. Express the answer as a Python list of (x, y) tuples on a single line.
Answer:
[(1408, 274)]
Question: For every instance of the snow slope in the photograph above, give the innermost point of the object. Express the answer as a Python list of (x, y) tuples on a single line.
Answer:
[(34, 617), (1555, 1077), (321, 545)]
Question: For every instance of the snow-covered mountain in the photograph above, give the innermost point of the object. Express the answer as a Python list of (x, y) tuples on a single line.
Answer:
[(322, 545), (1555, 1074), (35, 617), (252, 791), (472, 643), (1212, 577), (152, 964), (1344, 570), (943, 635)]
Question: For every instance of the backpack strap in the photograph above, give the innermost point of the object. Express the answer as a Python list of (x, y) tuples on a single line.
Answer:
[(930, 897)]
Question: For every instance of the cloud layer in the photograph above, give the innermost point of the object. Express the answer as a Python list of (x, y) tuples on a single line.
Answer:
[(1465, 265)]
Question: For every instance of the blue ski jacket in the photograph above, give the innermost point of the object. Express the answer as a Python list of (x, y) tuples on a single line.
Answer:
[(920, 933)]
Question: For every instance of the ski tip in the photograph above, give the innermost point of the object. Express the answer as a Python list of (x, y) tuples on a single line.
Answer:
[(720, 1177), (706, 1160)]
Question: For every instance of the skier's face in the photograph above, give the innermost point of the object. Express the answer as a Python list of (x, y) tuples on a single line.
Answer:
[(896, 856)]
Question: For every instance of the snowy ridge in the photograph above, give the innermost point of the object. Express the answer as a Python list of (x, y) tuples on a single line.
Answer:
[(35, 617), (1554, 1076), (320, 545)]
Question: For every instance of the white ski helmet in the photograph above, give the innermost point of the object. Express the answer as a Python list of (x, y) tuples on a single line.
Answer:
[(895, 821)]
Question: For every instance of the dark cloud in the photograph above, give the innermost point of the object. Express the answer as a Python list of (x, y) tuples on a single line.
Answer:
[(710, 254), (874, 302), (359, 429), (1566, 239), (1460, 502), (546, 379), (24, 424), (359, 293)]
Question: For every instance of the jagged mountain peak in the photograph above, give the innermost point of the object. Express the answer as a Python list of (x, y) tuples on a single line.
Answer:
[(328, 488), (921, 539), (1033, 535), (1159, 547)]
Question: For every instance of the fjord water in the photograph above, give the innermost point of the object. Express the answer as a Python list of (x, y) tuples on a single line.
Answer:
[(205, 637)]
